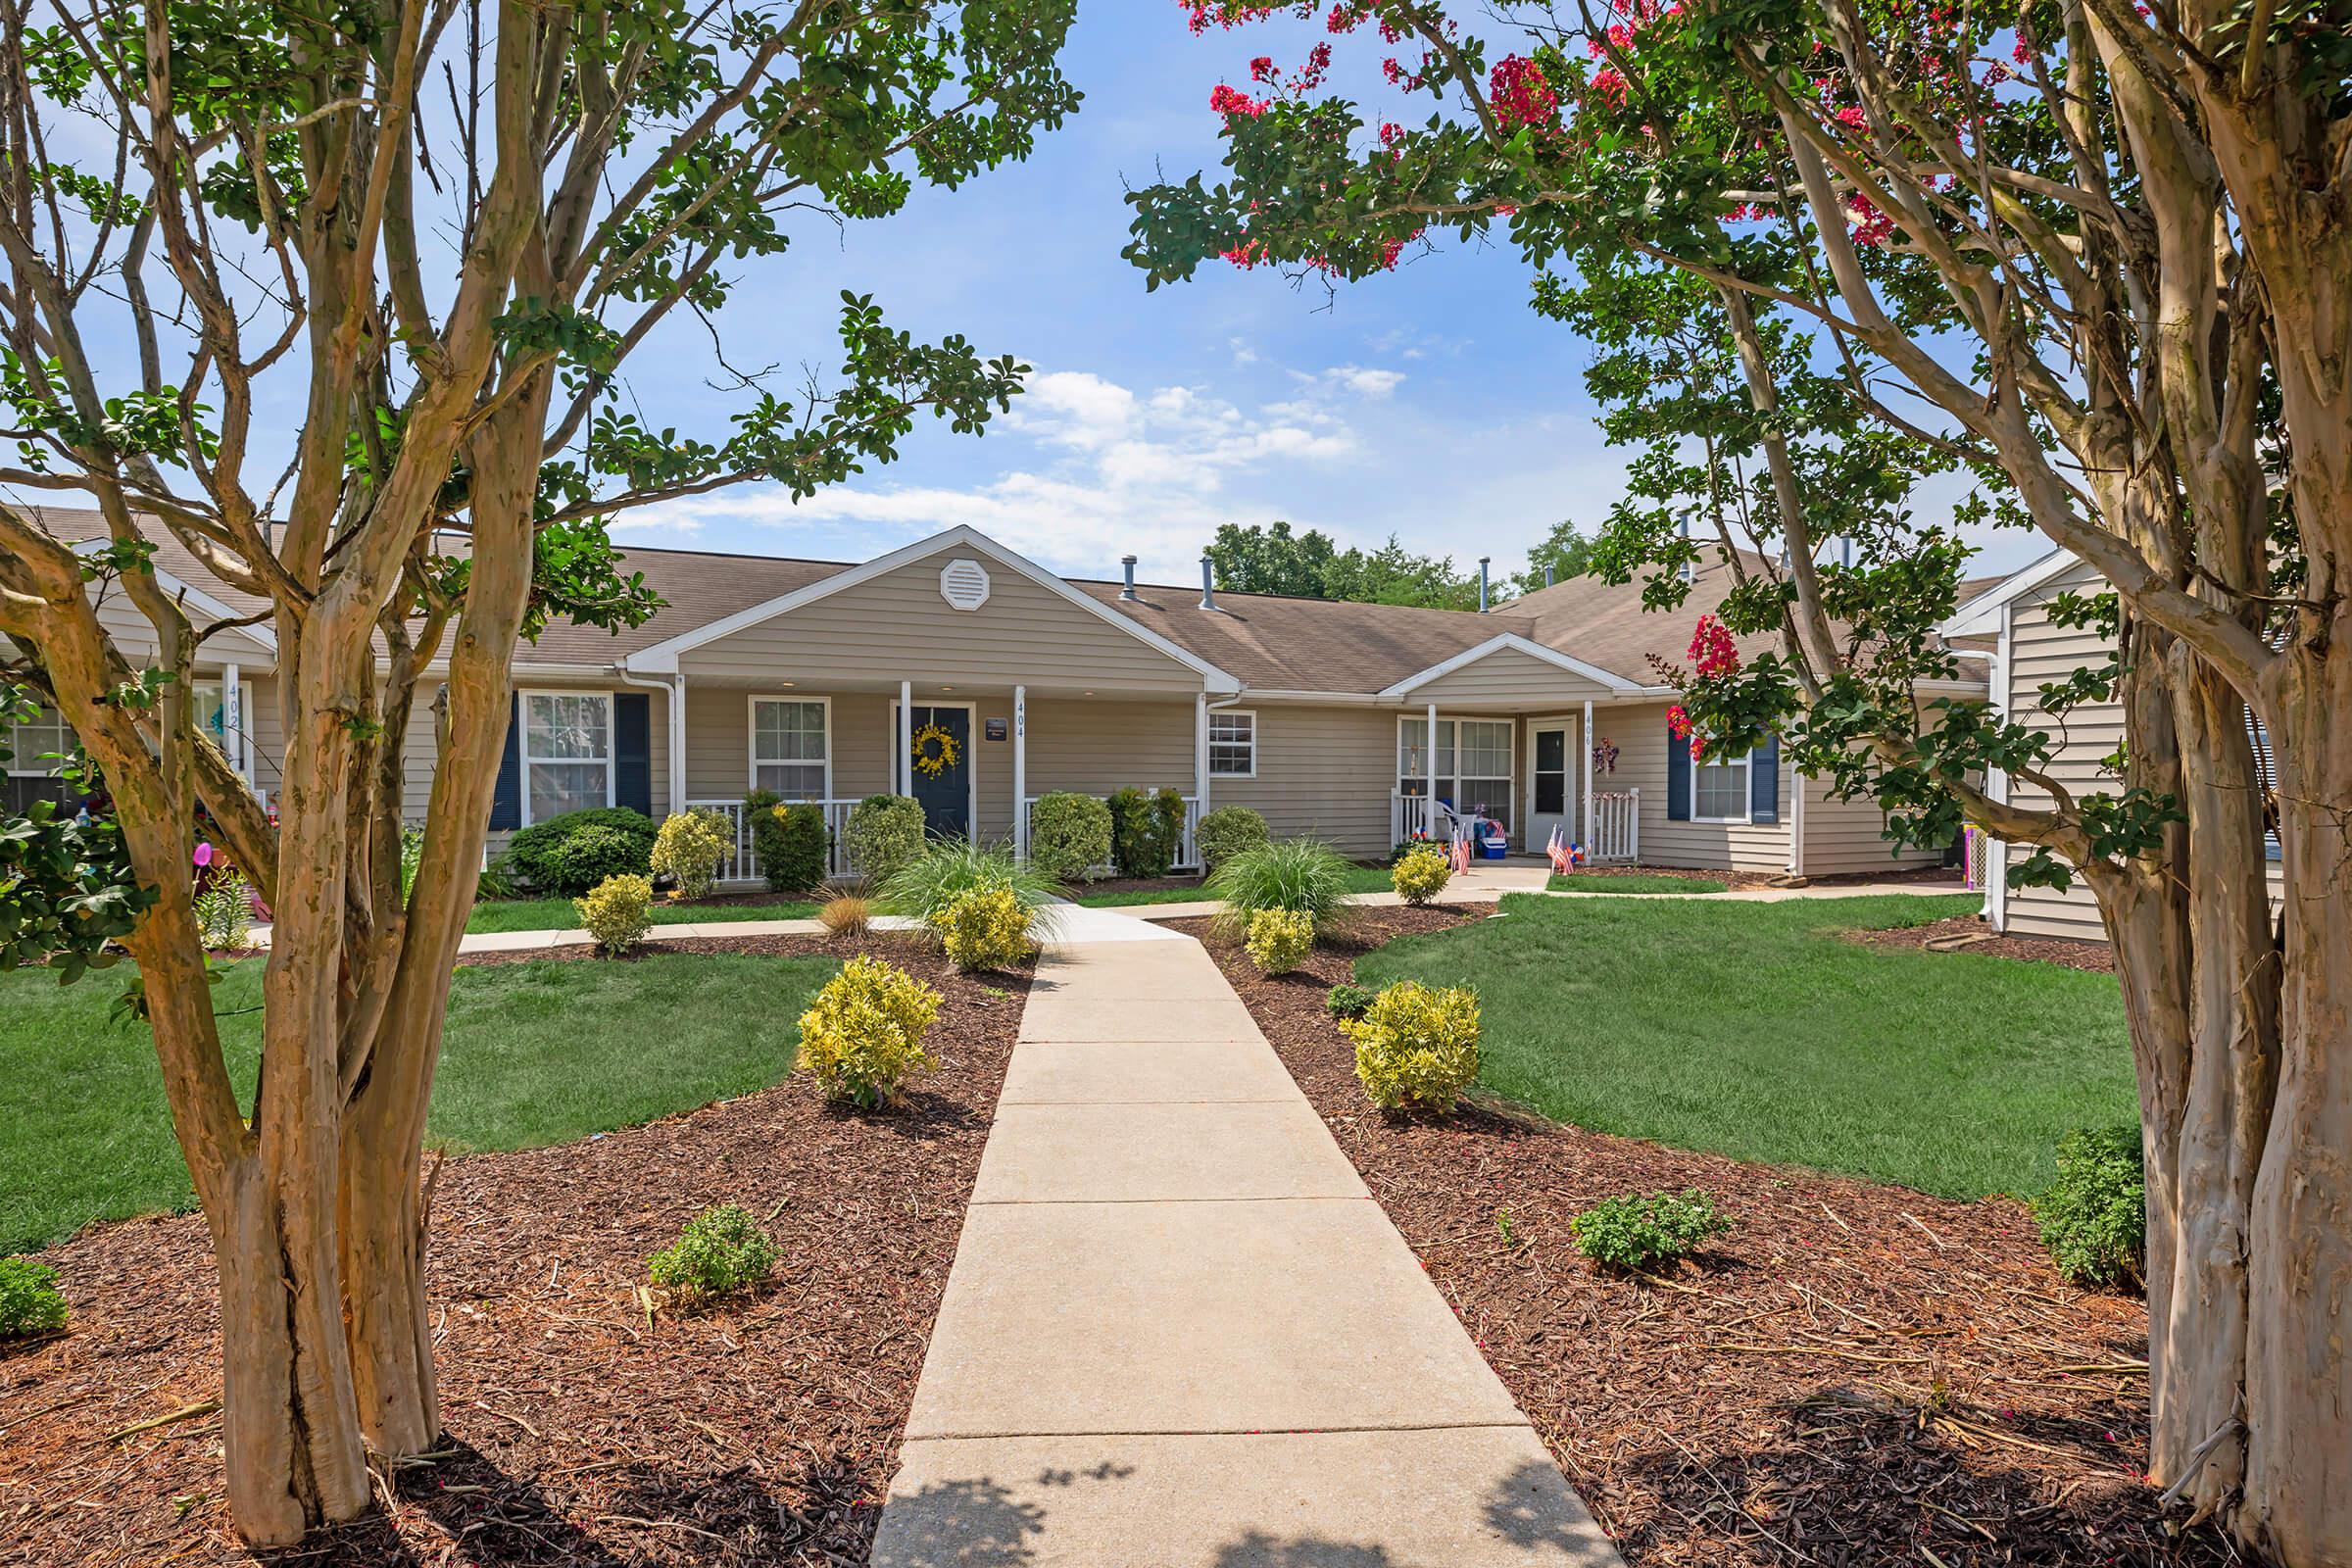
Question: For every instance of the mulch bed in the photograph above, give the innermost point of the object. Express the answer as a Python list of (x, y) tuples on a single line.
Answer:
[(760, 1432), (2096, 957), (1857, 1374)]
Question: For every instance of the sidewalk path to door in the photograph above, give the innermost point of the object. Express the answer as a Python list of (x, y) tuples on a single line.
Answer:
[(1179, 1332)]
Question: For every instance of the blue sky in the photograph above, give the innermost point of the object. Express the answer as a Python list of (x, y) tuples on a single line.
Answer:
[(1431, 403)]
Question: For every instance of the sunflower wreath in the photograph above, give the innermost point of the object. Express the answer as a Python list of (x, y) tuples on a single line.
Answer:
[(935, 751)]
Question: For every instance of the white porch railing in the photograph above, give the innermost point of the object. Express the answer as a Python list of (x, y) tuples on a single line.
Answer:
[(1421, 817), (1616, 826), (1188, 844), (741, 863)]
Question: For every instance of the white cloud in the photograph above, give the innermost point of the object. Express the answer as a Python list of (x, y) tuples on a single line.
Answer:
[(1111, 471)]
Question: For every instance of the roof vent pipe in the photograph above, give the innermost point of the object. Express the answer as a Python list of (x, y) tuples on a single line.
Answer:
[(1208, 592), (1481, 583), (1547, 566), (1128, 562)]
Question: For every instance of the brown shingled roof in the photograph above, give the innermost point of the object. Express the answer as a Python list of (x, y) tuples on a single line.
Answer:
[(1273, 643)]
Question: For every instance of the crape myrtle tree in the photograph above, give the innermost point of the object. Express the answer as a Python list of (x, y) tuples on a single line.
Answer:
[(439, 229), (2096, 251)]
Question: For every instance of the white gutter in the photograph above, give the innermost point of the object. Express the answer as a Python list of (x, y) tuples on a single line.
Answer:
[(674, 713)]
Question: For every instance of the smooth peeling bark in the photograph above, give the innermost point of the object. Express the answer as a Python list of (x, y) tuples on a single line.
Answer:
[(383, 1207), (2298, 1498)]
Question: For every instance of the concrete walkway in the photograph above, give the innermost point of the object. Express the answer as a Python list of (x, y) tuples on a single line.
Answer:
[(1180, 1333)]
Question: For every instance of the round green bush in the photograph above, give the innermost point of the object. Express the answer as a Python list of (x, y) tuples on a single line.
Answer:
[(1229, 830), (590, 858), (1069, 836), (884, 835), (1637, 1234), (539, 853), (2094, 1217), (31, 1303), (1146, 831)]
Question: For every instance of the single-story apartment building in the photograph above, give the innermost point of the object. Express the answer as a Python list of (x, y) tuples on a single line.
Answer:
[(1338, 720)]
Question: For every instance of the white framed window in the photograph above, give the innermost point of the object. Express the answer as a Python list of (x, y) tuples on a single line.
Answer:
[(1232, 743), (35, 744), (1472, 761), (792, 746), (1719, 789), (567, 753)]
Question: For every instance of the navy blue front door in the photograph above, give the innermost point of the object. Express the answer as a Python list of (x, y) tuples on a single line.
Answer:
[(946, 796)]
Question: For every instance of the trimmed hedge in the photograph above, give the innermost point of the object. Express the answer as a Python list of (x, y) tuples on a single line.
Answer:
[(1146, 831), (1069, 836), (1229, 830), (790, 841), (884, 835), (543, 854)]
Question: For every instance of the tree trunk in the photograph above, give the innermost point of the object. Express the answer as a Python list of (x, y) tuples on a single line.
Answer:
[(382, 1234), (290, 1431), (2298, 1490)]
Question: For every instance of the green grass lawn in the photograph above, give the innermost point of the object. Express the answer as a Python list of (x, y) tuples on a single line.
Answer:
[(1360, 879), (558, 914), (536, 1053), (1630, 882), (1755, 1030)]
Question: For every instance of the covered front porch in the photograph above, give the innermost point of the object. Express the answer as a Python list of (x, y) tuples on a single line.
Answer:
[(1534, 771), (977, 756)]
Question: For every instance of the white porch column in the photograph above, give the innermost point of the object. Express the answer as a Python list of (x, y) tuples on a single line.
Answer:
[(906, 737), (1021, 771), (232, 724), (677, 741), (1586, 735), (1429, 802), (1200, 751)]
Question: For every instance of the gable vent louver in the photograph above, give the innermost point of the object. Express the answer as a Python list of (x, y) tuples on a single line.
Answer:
[(964, 584)]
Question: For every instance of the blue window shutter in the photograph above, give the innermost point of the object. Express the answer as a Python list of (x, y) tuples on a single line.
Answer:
[(505, 797), (1764, 781), (1677, 777), (633, 751)]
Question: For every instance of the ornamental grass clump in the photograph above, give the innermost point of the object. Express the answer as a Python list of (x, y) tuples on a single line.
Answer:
[(2094, 1217), (848, 916), (1416, 1047), (1279, 940), (720, 1250), (31, 1303), (862, 1037), (952, 867), (1300, 875), (985, 928), (617, 913), (1421, 874), (1637, 1234), (689, 848)]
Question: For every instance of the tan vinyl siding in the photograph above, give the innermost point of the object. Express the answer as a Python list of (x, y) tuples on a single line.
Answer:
[(1508, 675), (1843, 837), (2041, 652), (1323, 773), (899, 625), (1640, 734)]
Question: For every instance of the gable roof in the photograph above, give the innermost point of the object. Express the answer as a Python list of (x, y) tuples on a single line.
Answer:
[(1511, 641), (179, 573), (1979, 614), (663, 656)]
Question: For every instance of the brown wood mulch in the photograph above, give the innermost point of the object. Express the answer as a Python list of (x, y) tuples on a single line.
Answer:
[(1966, 933), (1857, 1374), (760, 1432)]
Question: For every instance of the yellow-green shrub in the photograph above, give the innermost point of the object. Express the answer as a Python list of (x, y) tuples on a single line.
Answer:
[(1421, 875), (1416, 1047), (689, 848), (983, 928), (614, 912), (862, 1036), (1280, 940)]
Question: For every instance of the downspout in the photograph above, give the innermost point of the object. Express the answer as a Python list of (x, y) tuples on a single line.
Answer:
[(673, 706), (1997, 782)]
